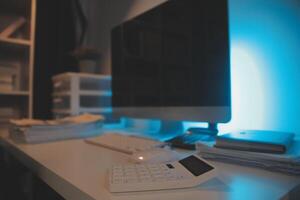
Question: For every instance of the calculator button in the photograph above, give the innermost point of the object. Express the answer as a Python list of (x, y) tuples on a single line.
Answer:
[(129, 169), (129, 173), (131, 177), (152, 166), (145, 180), (159, 179), (117, 181), (144, 175), (132, 181), (170, 166), (155, 170), (164, 167), (172, 178), (158, 176), (117, 168), (142, 170), (117, 172)]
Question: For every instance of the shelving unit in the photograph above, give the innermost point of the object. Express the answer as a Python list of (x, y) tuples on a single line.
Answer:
[(17, 56)]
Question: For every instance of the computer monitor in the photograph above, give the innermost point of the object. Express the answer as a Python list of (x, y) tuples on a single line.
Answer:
[(173, 63)]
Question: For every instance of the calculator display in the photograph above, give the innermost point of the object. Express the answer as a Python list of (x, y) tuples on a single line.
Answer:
[(195, 165)]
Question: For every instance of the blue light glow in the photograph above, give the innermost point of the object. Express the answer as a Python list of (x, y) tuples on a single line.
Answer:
[(248, 89), (265, 46)]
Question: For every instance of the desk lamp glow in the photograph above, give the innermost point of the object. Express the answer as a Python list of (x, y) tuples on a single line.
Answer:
[(265, 65)]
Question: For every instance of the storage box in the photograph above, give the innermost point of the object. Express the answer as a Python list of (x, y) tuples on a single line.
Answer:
[(81, 81), (78, 93)]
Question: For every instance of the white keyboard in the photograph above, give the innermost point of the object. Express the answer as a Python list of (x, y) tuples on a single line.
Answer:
[(124, 143), (188, 172)]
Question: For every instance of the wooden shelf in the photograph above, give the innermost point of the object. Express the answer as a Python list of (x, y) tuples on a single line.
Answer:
[(15, 93), (16, 41)]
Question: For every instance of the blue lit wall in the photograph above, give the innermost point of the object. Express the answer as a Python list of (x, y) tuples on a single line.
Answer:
[(265, 62)]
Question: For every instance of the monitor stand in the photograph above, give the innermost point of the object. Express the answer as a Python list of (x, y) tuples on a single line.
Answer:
[(155, 129), (170, 129), (193, 135)]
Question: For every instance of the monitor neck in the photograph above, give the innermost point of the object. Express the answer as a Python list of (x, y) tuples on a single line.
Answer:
[(171, 128), (212, 130)]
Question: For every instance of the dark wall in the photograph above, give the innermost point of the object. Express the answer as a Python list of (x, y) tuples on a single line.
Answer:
[(55, 38), (104, 15)]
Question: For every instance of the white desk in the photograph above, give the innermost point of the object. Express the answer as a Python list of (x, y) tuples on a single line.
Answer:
[(77, 171)]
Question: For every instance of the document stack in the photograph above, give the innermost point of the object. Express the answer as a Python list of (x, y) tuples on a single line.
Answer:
[(286, 163), (7, 113), (36, 131), (9, 76)]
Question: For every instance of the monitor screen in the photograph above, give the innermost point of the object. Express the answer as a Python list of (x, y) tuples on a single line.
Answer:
[(172, 62)]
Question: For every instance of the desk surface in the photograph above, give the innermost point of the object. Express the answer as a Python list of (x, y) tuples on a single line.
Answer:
[(77, 170)]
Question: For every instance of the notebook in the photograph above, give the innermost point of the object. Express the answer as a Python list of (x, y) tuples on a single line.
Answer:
[(256, 140)]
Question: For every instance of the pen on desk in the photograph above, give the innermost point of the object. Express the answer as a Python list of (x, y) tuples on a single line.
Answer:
[(109, 147), (129, 151)]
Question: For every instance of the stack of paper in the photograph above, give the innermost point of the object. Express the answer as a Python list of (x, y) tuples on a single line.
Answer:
[(7, 113), (9, 75), (285, 163), (35, 131)]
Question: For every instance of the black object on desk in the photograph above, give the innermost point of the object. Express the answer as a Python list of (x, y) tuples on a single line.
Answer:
[(256, 140), (192, 135)]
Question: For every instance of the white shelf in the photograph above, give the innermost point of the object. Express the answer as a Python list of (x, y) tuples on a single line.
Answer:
[(16, 41), (15, 93)]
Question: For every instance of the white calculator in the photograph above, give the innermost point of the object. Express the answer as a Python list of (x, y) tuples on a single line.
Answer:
[(188, 172)]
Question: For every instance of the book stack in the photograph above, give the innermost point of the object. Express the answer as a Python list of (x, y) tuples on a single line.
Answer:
[(37, 131), (274, 151), (6, 114), (6, 79), (9, 76), (6, 82)]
